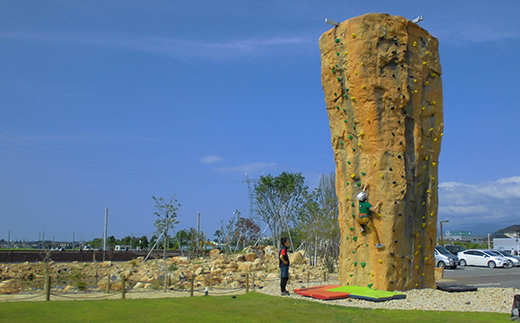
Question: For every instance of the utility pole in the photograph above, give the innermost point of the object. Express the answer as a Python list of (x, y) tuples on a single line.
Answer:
[(105, 235), (198, 232), (8, 240), (43, 239)]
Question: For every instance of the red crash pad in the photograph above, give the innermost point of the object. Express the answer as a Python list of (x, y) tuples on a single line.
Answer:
[(321, 292)]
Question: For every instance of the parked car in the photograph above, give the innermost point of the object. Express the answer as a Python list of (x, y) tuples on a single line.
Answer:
[(474, 257), (454, 249), (444, 258), (512, 261)]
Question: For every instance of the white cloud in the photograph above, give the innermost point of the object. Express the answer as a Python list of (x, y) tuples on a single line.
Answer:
[(212, 159), (248, 168), (167, 46), (488, 204)]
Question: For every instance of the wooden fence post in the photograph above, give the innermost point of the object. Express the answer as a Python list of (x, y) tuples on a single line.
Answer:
[(123, 287), (192, 279), (47, 287), (108, 284), (247, 282)]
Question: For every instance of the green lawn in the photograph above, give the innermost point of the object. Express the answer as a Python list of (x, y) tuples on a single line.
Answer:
[(252, 307)]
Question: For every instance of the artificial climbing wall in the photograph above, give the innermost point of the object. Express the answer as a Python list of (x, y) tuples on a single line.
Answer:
[(383, 90)]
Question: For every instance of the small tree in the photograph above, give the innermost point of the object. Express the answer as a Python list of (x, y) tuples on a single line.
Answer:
[(166, 217), (278, 199)]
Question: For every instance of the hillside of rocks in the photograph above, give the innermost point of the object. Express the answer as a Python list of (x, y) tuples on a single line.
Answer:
[(218, 270)]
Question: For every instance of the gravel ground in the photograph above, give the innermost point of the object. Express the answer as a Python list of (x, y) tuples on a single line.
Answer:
[(498, 300)]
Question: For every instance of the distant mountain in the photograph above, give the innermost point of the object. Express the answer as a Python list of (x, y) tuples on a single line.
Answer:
[(510, 229)]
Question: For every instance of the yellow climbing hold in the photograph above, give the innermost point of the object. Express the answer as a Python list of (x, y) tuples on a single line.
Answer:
[(424, 63), (362, 64), (426, 258), (352, 98), (424, 225), (434, 164), (418, 235), (431, 129), (442, 134), (415, 91), (359, 144), (368, 120), (422, 274), (427, 83), (426, 158), (416, 267), (419, 246), (423, 203), (414, 44), (381, 175), (434, 102), (427, 191), (374, 163), (427, 53), (355, 72), (380, 261), (422, 147), (435, 140), (423, 108), (353, 175), (416, 285), (346, 53), (434, 75), (361, 134), (415, 80), (353, 35), (432, 214)]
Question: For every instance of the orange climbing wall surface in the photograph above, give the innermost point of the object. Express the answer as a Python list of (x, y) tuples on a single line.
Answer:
[(383, 91)]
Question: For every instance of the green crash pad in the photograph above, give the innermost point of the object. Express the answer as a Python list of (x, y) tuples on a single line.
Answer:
[(366, 293)]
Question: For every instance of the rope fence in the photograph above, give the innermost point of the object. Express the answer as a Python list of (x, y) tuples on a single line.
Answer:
[(118, 286)]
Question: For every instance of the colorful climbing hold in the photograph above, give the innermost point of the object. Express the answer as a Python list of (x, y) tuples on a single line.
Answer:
[(353, 35), (353, 251), (358, 184), (348, 162), (341, 143), (353, 175), (350, 137), (363, 264), (351, 229), (370, 285), (380, 261), (363, 173), (354, 238), (424, 225), (337, 40), (355, 263), (414, 44)]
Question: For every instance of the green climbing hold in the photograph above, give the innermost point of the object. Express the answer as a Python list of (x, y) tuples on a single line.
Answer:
[(348, 183), (354, 216), (363, 173), (351, 275), (353, 149), (341, 143), (337, 40), (339, 78), (348, 162), (334, 71), (335, 94), (363, 264), (345, 110), (352, 204), (355, 263), (358, 184), (351, 228), (338, 54), (370, 285), (337, 107), (354, 238), (353, 251), (350, 137), (345, 121), (354, 127)]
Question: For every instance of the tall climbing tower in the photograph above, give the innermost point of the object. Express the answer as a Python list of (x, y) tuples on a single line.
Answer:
[(383, 91)]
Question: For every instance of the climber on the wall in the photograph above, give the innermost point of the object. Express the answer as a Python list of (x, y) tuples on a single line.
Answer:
[(364, 220)]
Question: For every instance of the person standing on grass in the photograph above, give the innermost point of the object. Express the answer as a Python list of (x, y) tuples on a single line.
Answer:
[(284, 265)]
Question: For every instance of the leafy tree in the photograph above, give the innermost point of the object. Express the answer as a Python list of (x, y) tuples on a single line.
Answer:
[(143, 242), (278, 199), (166, 218)]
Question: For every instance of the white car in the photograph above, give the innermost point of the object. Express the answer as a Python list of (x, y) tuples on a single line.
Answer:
[(474, 257), (512, 261)]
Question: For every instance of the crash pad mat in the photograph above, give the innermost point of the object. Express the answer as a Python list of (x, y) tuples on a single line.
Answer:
[(367, 293), (321, 292), (455, 288)]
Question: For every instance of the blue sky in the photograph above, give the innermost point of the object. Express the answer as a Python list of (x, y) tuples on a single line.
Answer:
[(104, 104)]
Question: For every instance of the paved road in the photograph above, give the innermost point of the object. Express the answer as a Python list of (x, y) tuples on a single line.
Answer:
[(484, 276)]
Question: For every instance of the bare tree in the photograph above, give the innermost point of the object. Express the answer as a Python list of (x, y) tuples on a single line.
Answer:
[(166, 217)]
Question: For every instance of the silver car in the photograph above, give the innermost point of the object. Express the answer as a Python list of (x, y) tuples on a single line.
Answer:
[(474, 257), (444, 258), (512, 261)]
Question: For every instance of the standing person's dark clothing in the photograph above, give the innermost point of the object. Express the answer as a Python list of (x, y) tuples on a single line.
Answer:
[(283, 261)]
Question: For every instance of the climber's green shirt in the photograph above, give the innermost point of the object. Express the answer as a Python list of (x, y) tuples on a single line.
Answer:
[(364, 208)]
